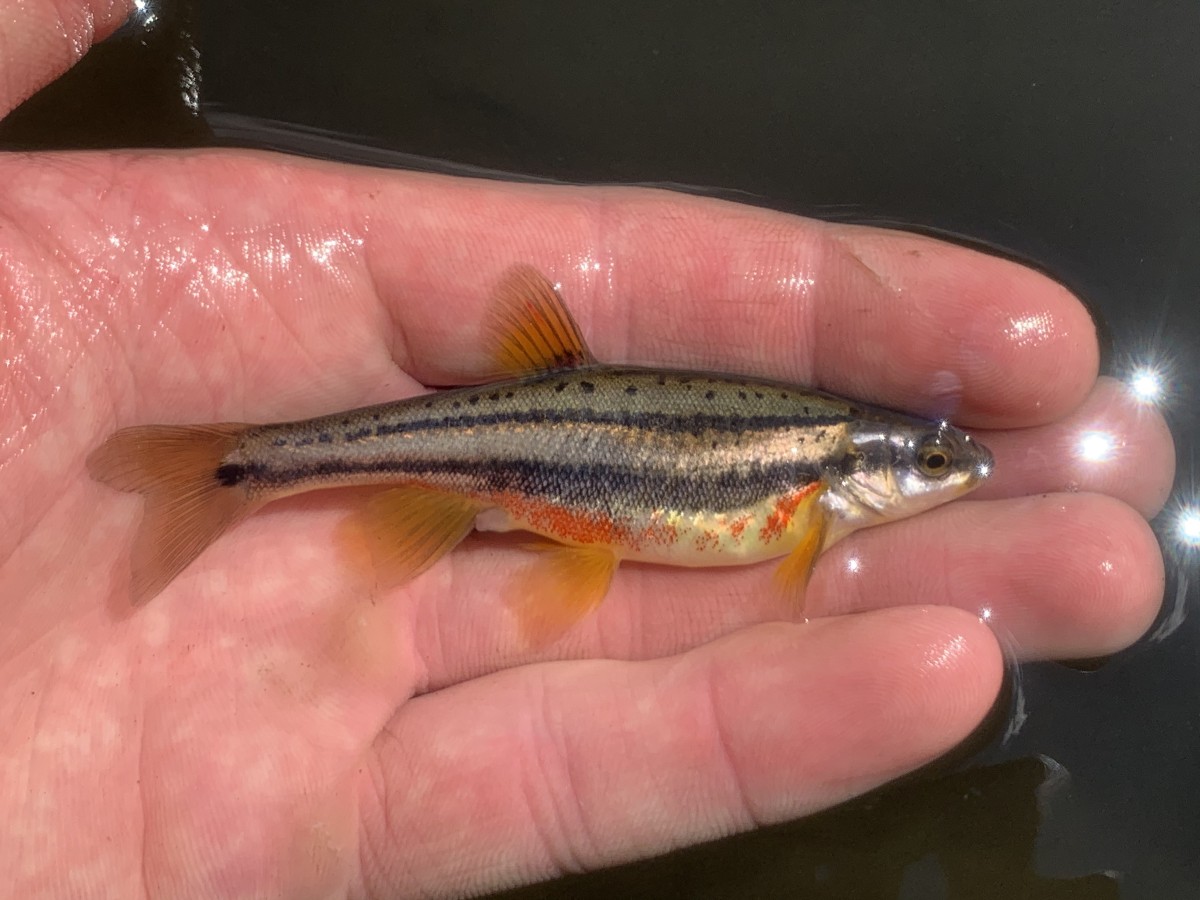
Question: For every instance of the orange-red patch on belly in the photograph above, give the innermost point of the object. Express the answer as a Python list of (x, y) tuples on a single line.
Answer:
[(785, 509), (738, 526), (577, 526)]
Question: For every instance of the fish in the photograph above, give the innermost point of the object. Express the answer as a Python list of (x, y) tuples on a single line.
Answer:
[(600, 463)]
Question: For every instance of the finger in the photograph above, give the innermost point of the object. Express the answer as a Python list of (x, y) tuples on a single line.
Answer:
[(658, 278), (565, 767), (1112, 444), (1038, 569), (42, 40), (375, 263)]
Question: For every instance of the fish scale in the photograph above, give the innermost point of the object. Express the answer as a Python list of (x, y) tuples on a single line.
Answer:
[(657, 447)]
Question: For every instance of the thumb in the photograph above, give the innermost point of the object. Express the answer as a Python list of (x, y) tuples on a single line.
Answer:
[(41, 39)]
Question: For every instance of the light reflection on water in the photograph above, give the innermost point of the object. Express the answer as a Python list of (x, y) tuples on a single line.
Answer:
[(1147, 385), (1187, 526)]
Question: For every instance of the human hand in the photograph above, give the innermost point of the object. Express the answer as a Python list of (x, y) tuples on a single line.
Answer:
[(268, 727)]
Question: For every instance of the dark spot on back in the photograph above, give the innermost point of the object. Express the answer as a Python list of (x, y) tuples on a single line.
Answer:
[(457, 404), (345, 422), (325, 437), (473, 399), (230, 474), (560, 387), (741, 395), (508, 395), (429, 404), (586, 386), (757, 395), (375, 416), (494, 397), (783, 395), (709, 395), (279, 442), (662, 379), (631, 390)]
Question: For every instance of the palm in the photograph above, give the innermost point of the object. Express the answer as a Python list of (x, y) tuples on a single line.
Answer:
[(254, 729)]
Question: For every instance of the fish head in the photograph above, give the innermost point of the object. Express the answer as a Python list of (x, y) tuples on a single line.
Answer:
[(896, 469)]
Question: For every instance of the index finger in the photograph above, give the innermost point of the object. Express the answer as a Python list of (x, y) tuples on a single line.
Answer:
[(655, 277)]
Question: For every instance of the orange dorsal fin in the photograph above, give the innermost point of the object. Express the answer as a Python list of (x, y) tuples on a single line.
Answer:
[(407, 529), (531, 329), (558, 588), (191, 497), (812, 521)]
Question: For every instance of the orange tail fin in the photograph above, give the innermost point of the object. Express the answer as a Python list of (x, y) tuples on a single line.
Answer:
[(188, 504)]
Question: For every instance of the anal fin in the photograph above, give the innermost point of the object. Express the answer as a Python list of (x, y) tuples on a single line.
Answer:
[(559, 587), (407, 529)]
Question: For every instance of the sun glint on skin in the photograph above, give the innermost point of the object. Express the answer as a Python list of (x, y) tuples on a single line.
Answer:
[(1096, 446), (947, 653), (1031, 330)]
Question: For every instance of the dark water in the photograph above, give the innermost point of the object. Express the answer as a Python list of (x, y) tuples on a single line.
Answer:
[(1066, 134)]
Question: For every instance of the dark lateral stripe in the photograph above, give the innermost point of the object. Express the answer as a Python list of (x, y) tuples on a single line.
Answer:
[(593, 485), (695, 423)]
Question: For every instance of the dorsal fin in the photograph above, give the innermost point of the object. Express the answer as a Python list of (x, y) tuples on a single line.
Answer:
[(531, 328)]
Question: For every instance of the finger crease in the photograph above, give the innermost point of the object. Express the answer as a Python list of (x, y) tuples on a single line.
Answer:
[(725, 751)]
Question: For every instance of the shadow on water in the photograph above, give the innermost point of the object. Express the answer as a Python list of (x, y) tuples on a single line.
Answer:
[(1063, 135), (916, 839), (912, 841)]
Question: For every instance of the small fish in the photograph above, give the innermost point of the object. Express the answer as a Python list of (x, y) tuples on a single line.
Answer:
[(605, 463)]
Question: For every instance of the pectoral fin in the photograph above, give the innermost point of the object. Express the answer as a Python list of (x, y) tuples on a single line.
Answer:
[(407, 529), (793, 573), (558, 588)]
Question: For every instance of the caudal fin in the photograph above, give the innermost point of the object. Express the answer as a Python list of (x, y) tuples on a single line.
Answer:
[(188, 505)]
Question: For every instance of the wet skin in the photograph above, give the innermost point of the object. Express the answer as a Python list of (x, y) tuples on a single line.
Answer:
[(273, 722)]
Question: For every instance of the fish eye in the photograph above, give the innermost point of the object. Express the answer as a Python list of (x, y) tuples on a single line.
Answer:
[(934, 458)]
